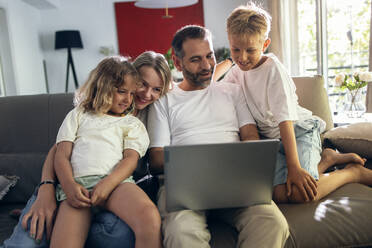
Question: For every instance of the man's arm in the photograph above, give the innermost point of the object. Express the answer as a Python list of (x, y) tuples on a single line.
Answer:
[(249, 132), (156, 160)]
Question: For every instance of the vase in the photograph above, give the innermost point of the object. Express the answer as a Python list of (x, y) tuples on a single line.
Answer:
[(355, 106)]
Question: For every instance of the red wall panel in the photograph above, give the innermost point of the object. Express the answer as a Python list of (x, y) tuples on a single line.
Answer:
[(140, 29)]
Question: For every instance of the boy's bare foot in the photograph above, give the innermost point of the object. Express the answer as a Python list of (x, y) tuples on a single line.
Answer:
[(331, 157), (361, 174)]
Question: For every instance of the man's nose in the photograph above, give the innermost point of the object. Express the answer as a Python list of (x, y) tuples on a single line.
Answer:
[(205, 64)]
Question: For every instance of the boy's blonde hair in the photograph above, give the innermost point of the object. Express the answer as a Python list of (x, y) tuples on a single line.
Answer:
[(158, 62), (249, 20), (96, 94)]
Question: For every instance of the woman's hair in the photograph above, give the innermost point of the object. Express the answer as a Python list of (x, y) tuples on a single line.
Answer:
[(96, 94), (249, 19), (158, 62)]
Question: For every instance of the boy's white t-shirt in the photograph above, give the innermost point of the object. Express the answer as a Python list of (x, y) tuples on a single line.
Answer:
[(210, 115), (99, 140), (270, 94)]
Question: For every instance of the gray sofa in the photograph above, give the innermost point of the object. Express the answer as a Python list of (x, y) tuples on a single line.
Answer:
[(29, 125)]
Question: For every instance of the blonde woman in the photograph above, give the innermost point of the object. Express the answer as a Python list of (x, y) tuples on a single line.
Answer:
[(36, 222)]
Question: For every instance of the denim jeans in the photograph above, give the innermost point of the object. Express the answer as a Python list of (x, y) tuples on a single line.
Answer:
[(309, 148), (107, 230)]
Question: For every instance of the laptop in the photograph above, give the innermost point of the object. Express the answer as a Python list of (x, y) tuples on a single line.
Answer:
[(224, 175)]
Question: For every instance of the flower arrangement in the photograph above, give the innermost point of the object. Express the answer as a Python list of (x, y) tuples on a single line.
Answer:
[(357, 81), (354, 83)]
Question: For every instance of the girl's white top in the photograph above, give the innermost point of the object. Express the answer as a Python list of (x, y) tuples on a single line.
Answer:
[(99, 140)]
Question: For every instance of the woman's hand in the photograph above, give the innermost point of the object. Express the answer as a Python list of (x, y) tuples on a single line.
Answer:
[(77, 195), (101, 192), (42, 213), (305, 183)]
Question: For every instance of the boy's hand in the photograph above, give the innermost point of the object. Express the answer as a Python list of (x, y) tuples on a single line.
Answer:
[(77, 195), (101, 192), (306, 184)]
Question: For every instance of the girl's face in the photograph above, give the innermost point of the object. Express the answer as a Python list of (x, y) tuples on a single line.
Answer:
[(247, 51), (123, 95), (150, 87)]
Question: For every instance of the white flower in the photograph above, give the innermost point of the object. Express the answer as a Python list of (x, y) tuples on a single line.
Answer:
[(339, 79), (365, 76)]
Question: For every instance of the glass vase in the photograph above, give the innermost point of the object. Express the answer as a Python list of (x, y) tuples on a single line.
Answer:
[(355, 106)]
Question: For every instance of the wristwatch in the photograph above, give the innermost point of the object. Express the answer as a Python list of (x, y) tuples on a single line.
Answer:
[(47, 182)]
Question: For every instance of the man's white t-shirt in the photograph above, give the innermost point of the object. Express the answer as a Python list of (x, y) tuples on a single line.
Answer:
[(210, 115), (270, 94), (99, 140)]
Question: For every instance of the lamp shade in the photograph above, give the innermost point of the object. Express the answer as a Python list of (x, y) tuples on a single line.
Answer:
[(68, 39), (161, 4)]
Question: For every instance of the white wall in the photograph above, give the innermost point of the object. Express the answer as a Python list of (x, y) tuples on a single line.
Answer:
[(26, 56), (32, 32), (96, 22)]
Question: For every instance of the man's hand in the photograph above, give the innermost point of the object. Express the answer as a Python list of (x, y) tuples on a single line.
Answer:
[(305, 183), (42, 213), (77, 195)]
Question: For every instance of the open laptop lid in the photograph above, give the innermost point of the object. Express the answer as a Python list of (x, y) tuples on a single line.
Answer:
[(225, 175)]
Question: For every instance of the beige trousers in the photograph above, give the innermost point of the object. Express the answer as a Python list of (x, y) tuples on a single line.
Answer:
[(258, 226)]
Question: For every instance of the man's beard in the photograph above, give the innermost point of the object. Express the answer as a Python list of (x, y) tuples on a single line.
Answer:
[(195, 78)]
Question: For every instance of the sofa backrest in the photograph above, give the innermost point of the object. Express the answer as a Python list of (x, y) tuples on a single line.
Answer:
[(313, 96), (28, 128)]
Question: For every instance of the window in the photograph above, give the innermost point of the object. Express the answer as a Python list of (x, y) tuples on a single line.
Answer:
[(334, 38), (2, 89)]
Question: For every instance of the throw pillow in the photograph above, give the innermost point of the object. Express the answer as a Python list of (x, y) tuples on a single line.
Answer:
[(5, 183), (352, 138)]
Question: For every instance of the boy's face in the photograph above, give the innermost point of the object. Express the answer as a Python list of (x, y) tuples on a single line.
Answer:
[(246, 51)]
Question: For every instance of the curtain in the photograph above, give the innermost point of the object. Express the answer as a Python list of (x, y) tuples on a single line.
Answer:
[(284, 34), (369, 87)]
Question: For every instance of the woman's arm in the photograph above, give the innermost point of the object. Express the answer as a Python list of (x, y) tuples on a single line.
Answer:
[(296, 174), (123, 170), (221, 69), (43, 210), (77, 195), (156, 160)]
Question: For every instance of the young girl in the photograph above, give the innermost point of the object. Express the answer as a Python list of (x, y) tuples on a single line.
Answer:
[(98, 146), (271, 98)]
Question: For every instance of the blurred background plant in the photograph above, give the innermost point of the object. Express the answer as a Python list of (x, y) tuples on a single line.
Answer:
[(168, 57), (221, 54)]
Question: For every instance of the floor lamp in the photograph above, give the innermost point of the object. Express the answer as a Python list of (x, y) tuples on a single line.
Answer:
[(69, 39)]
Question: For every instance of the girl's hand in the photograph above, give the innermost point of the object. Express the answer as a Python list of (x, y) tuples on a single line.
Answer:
[(42, 213), (305, 183), (77, 195), (101, 192)]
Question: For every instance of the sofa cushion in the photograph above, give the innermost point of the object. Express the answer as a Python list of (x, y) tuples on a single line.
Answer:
[(27, 166), (342, 219), (313, 96), (352, 138), (7, 222), (6, 182)]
